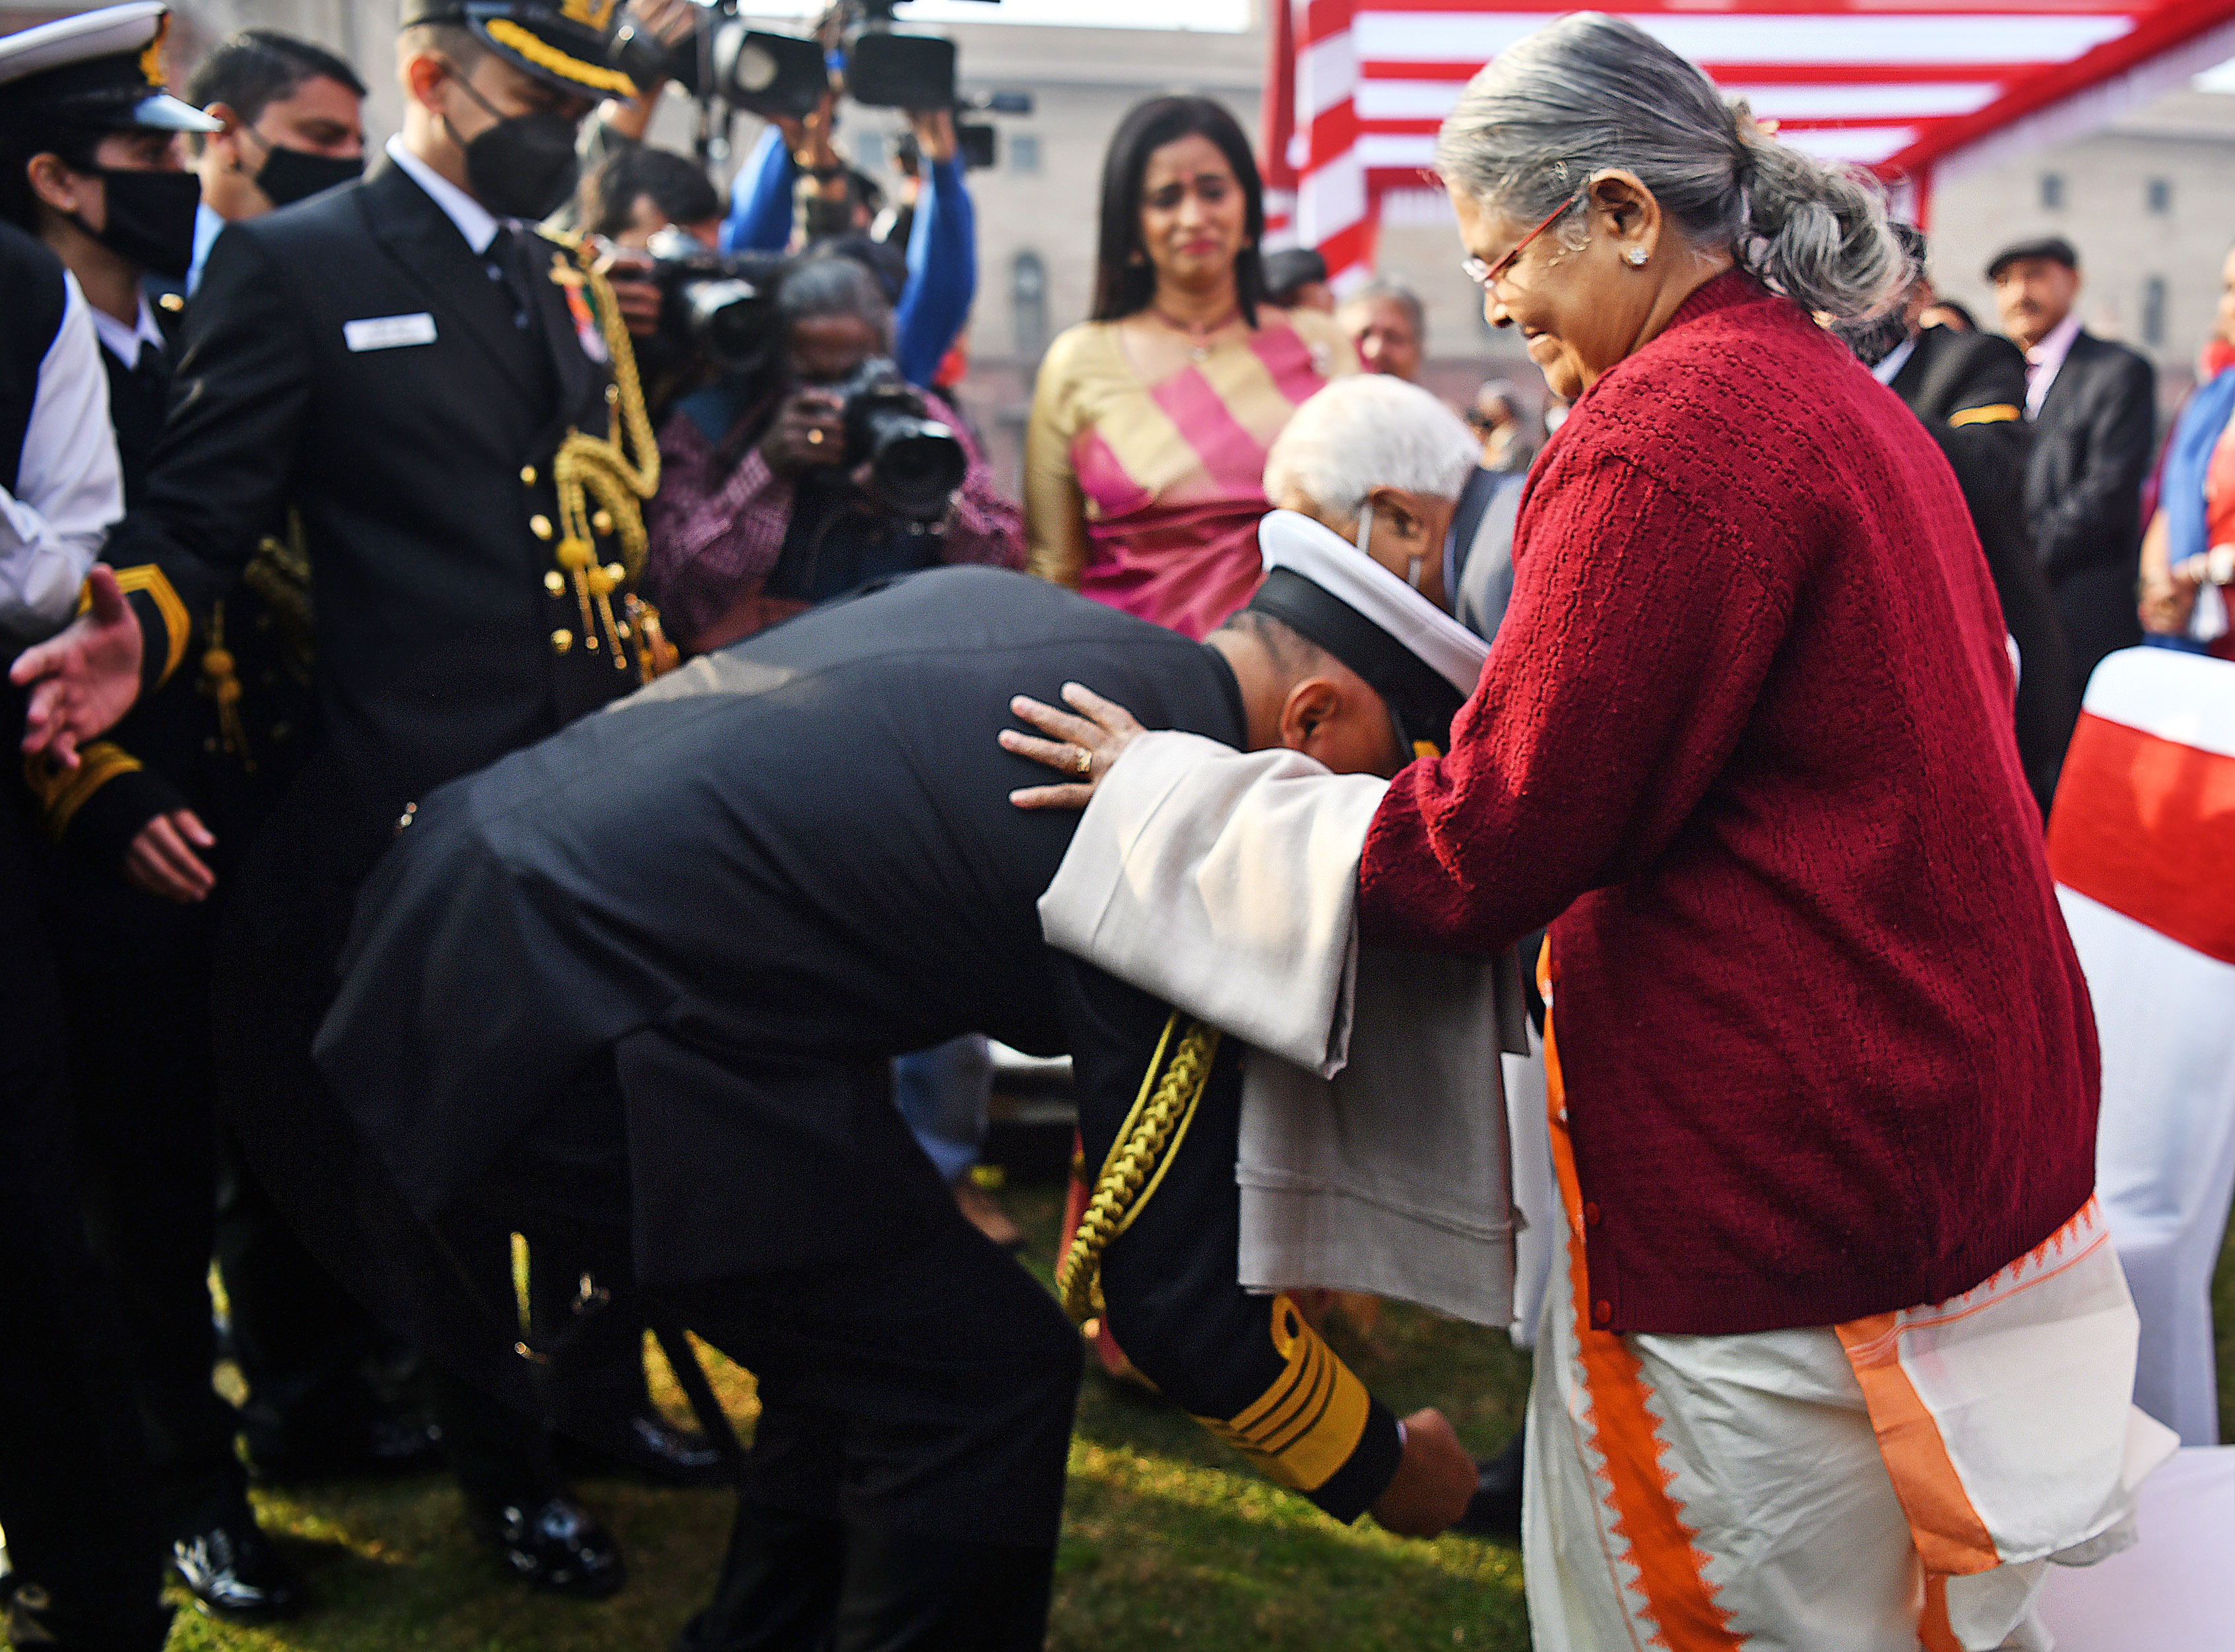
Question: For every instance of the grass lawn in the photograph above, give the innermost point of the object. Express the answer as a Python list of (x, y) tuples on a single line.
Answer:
[(1167, 1540)]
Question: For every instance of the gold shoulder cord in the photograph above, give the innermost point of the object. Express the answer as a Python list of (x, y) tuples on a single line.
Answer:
[(1159, 1118), (588, 467)]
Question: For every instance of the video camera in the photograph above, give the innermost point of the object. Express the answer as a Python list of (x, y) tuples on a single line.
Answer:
[(727, 61), (720, 309)]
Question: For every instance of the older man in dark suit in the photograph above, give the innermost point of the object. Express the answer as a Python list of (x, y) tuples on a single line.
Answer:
[(2092, 406)]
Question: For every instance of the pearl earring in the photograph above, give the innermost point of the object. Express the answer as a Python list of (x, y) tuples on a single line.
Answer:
[(1636, 255)]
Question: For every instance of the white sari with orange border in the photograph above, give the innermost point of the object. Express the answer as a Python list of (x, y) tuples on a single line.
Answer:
[(1898, 1481)]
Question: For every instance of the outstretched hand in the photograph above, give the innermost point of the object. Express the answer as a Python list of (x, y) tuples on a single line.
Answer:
[(1083, 747), (84, 677)]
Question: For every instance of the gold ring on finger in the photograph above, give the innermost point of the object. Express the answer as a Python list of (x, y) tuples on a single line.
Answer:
[(1085, 763)]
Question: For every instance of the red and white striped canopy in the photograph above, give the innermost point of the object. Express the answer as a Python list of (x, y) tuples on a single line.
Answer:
[(1358, 88)]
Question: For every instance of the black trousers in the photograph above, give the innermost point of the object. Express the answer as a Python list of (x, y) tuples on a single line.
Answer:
[(906, 1478), (905, 1482), (134, 973), (302, 1343), (74, 1494)]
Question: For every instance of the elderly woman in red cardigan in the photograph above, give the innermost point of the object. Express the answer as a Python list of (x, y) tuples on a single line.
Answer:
[(1846, 1356)]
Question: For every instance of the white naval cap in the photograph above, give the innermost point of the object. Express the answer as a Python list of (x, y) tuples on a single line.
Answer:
[(1422, 661), (102, 68)]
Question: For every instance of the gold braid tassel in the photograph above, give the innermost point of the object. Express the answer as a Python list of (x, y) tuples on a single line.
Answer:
[(618, 471), (221, 682), (1159, 1118)]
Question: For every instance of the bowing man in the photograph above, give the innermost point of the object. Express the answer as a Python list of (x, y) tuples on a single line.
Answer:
[(702, 922)]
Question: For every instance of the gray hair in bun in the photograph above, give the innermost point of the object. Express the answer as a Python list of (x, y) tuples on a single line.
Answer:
[(1589, 92)]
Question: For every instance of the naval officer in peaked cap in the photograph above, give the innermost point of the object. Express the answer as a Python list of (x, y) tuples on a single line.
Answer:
[(446, 398), (712, 913)]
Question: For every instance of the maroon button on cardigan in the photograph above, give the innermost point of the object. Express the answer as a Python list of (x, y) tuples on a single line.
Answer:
[(1745, 735)]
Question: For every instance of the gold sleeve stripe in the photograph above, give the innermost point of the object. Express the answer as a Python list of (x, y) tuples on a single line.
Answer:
[(61, 792), (544, 54), (156, 585), (1308, 1423), (2000, 413)]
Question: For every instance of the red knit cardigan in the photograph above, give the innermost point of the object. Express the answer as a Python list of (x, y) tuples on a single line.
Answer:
[(1744, 739)]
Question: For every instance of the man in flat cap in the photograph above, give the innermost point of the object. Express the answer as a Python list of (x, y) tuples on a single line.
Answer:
[(2092, 408), (446, 399), (713, 912)]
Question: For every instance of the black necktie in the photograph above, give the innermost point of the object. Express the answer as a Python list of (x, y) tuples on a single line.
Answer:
[(502, 262)]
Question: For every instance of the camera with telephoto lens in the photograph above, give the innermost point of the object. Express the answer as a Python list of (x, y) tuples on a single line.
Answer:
[(915, 461), (717, 307)]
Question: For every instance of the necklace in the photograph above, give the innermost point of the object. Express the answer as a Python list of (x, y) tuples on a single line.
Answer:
[(1197, 333)]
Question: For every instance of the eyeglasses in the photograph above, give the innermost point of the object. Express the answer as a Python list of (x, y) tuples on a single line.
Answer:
[(1487, 276)]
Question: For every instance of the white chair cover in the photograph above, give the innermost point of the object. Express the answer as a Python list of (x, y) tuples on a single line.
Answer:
[(2174, 1591), (2142, 844)]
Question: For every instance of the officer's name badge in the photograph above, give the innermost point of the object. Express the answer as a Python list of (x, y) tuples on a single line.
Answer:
[(388, 332)]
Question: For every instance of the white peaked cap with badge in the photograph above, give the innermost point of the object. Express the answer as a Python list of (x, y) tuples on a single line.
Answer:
[(99, 69), (1417, 657)]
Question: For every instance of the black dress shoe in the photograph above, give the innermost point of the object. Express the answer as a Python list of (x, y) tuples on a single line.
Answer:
[(234, 1571), (552, 1543), (643, 1447), (1495, 1509)]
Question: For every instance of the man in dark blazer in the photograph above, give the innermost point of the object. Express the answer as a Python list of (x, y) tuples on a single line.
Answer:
[(447, 399), (1969, 390), (2092, 407), (714, 912)]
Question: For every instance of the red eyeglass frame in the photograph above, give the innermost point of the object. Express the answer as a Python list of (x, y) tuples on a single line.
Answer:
[(1486, 276)]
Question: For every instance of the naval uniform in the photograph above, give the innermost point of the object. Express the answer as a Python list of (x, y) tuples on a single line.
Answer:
[(712, 913), (73, 1497), (221, 739), (403, 370)]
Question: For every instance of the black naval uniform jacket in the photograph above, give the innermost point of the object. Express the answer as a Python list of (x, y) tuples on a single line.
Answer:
[(1970, 391), (791, 857), (352, 356), (176, 749)]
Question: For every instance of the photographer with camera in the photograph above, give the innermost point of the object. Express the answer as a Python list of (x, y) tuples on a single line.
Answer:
[(940, 242), (785, 485)]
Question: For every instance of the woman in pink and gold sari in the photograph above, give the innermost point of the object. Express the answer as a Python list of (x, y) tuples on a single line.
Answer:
[(1145, 457)]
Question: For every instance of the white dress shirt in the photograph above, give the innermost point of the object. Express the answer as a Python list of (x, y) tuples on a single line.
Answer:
[(474, 221), (2046, 359), (68, 488), (124, 343), (1895, 359)]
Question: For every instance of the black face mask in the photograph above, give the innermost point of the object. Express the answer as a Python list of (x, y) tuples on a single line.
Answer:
[(151, 218), (289, 175), (524, 166)]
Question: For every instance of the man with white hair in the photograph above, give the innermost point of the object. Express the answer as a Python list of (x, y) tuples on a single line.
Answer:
[(1382, 463)]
